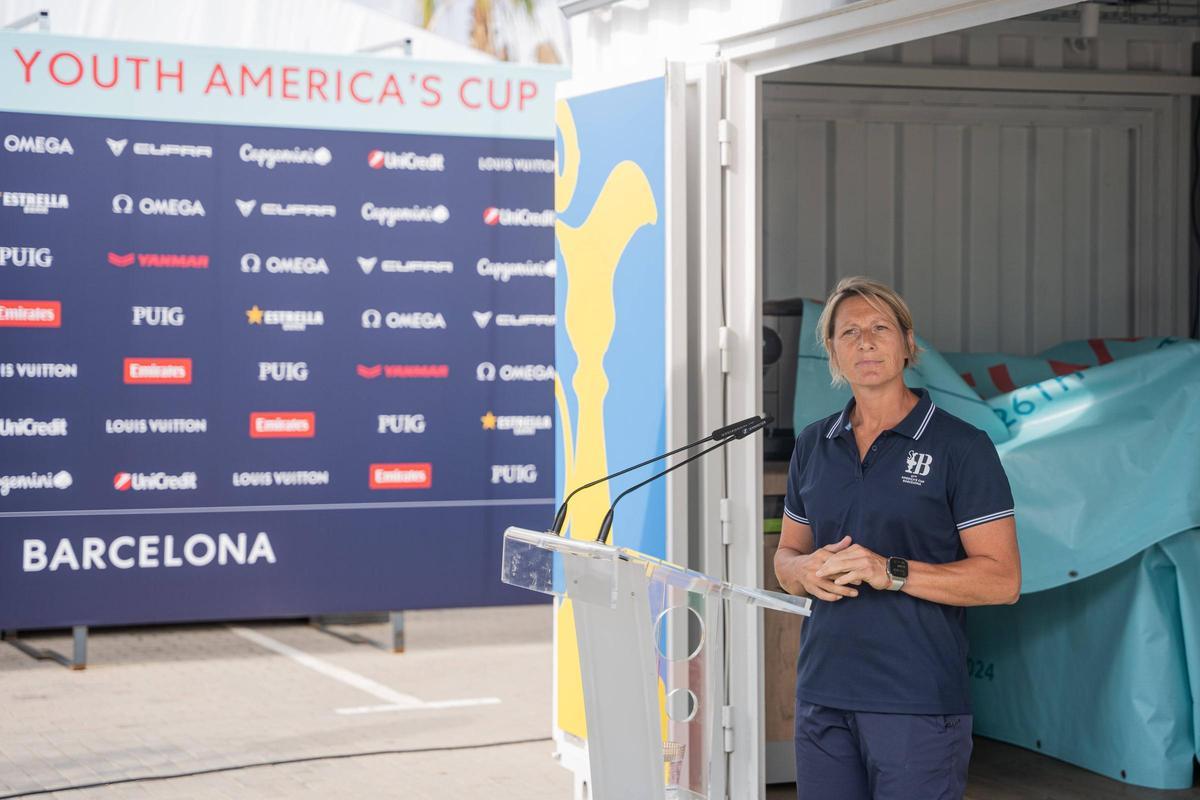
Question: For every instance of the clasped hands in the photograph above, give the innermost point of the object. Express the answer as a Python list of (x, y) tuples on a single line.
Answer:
[(831, 572)]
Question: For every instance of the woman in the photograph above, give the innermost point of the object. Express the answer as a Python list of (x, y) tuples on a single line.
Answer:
[(898, 515)]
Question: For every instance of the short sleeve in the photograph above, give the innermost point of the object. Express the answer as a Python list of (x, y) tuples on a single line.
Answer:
[(979, 488), (793, 506)]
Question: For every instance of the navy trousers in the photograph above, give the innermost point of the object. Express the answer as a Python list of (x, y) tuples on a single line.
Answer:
[(856, 755)]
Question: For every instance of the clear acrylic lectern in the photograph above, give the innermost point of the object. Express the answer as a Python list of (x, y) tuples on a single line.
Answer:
[(651, 689)]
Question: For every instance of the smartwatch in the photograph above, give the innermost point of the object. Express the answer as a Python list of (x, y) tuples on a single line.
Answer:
[(897, 570)]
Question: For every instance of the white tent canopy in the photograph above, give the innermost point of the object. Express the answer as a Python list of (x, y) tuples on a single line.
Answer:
[(331, 26)]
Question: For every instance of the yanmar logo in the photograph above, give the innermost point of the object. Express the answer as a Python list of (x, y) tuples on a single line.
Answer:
[(158, 206), (518, 217), (159, 260), (30, 314), (373, 371), (35, 202), (42, 145), (154, 482), (158, 370), (401, 476), (283, 424), (413, 162)]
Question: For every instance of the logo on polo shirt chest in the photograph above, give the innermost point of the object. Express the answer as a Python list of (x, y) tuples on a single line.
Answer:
[(916, 468)]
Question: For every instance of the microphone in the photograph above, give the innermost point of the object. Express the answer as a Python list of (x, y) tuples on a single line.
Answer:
[(739, 430), (720, 434)]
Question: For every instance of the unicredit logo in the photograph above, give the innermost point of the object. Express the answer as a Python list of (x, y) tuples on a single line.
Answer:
[(158, 370), (159, 260), (158, 206), (373, 371), (401, 476), (268, 157), (26, 257), (283, 425), (30, 314), (153, 481), (386, 159), (27, 426), (518, 217)]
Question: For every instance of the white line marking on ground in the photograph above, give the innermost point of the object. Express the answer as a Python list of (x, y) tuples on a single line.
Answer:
[(477, 701), (396, 701)]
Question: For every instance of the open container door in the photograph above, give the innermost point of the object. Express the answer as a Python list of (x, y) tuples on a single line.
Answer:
[(748, 58), (637, 300)]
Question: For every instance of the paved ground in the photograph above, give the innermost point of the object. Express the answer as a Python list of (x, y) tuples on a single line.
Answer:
[(169, 700), (162, 701)]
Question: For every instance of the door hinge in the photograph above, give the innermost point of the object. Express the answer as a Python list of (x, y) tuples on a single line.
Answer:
[(724, 517), (727, 727), (725, 140), (723, 346)]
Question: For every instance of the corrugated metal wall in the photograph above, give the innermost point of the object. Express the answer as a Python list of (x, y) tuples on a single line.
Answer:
[(1009, 221)]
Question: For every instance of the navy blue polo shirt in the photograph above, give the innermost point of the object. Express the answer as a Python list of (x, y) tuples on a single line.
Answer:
[(921, 483)]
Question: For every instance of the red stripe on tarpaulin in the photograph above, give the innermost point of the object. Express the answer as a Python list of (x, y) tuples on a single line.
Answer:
[(969, 378), (1101, 350), (1065, 367), (1126, 338), (1001, 378)]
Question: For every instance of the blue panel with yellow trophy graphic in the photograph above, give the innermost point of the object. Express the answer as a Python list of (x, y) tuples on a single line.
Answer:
[(610, 348)]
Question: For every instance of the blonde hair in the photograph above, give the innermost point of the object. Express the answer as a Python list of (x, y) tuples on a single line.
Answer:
[(882, 298)]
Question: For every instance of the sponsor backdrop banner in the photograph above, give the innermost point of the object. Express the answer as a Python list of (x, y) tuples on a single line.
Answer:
[(276, 330)]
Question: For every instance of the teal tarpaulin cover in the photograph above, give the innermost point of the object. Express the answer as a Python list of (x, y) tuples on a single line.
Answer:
[(1099, 662)]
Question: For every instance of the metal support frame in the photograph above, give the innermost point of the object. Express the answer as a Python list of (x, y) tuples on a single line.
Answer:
[(395, 623), (78, 659), (42, 18)]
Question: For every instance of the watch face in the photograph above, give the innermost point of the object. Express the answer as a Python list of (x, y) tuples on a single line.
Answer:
[(898, 567)]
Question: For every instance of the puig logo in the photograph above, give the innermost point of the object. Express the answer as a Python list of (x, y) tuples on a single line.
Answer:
[(26, 257), (166, 316)]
